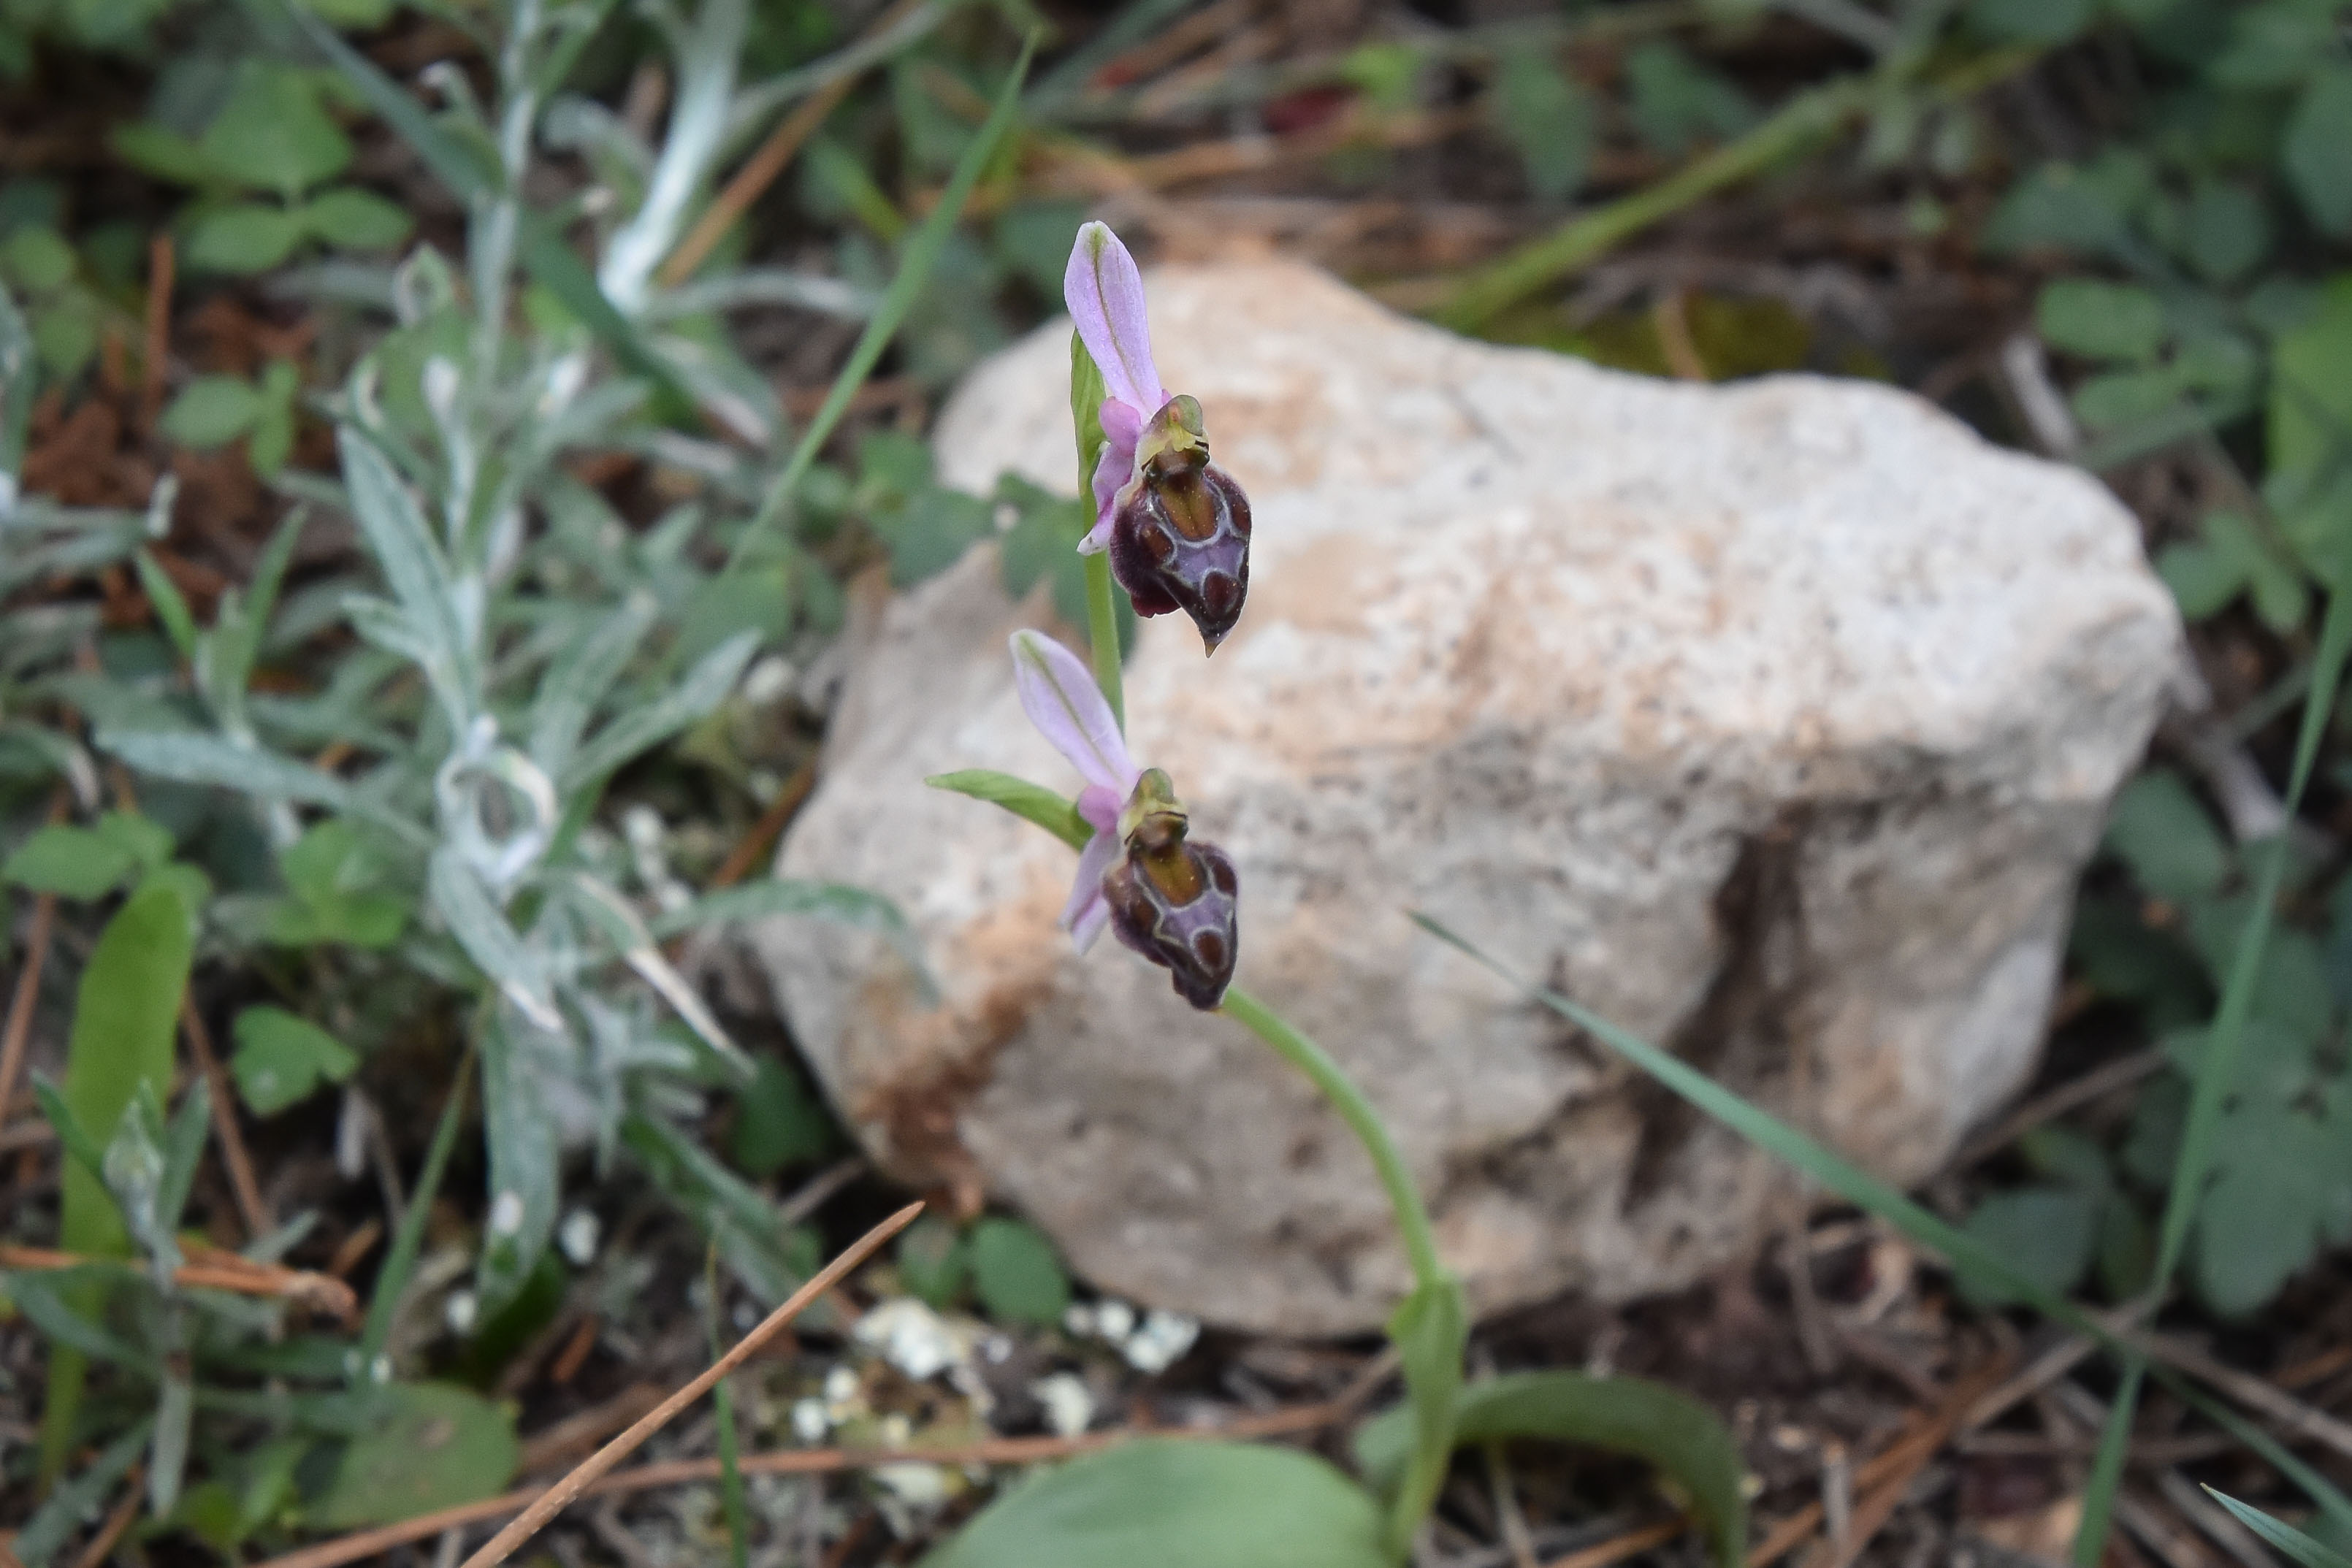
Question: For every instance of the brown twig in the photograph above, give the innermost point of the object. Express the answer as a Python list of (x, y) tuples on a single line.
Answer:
[(160, 271), (597, 1465), (2255, 1394), (101, 1546), (1618, 1548), (1890, 1476), (754, 845), (772, 157), (1671, 316), (2120, 1073), (251, 1206), (208, 1268), (797, 1462), (577, 1433), (575, 1351), (29, 989)]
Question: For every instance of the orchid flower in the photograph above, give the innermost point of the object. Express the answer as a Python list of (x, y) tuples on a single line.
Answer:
[(1061, 698), (1173, 900), (1176, 525)]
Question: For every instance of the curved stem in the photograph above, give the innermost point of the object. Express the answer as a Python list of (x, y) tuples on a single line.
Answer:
[(1404, 1193)]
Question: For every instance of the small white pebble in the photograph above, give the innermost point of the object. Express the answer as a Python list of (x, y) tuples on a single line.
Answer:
[(1069, 1407), (913, 1338), (769, 681), (840, 1387), (897, 1431), (1114, 1320), (505, 1213), (460, 1311), (810, 1423), (915, 1485), (578, 1236), (1161, 1343), (1078, 1319)]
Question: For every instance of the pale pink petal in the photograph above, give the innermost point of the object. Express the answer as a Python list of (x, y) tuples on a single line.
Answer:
[(1122, 428), (1105, 294), (1100, 808), (1087, 912), (1059, 695)]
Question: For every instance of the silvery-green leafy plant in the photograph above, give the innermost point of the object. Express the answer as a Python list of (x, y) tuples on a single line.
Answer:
[(1178, 901), (519, 646)]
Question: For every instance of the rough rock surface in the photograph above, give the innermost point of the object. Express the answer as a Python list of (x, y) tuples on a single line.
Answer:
[(1773, 720)]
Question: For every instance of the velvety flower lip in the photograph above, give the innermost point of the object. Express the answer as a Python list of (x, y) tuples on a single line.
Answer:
[(1059, 695)]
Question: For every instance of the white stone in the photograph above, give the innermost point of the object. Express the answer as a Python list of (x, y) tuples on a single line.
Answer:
[(1773, 720)]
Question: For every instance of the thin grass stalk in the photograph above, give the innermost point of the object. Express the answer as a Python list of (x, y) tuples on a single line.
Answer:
[(400, 1260), (722, 1405), (1102, 632), (922, 254)]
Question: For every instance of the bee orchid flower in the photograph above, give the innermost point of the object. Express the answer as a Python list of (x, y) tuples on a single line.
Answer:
[(1170, 898), (1176, 525)]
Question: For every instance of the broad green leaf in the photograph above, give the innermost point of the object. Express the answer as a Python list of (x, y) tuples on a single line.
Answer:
[(2299, 1547), (1677, 101), (1548, 118), (2313, 153), (2100, 321), (212, 411), (125, 1016), (1681, 1437), (2281, 1187), (933, 1265), (353, 219), (273, 134), (37, 259), (332, 875), (2049, 1232), (87, 862), (437, 1445), (2227, 230), (243, 238), (2310, 432), (2161, 829), (163, 153), (281, 1058), (1017, 1272), (2064, 206), (1030, 802), (779, 1121), (1168, 1503)]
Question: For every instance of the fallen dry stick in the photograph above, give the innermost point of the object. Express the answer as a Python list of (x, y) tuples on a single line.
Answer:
[(28, 986), (594, 1467), (800, 1462), (207, 1270), (1892, 1468), (1896, 1474), (250, 1205), (1617, 1550)]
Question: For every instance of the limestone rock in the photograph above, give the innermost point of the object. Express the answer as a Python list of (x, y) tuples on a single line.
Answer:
[(1773, 720)]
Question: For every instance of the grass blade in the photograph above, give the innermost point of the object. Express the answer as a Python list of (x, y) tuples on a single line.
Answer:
[(2298, 1546), (722, 1405), (916, 262), (400, 1261)]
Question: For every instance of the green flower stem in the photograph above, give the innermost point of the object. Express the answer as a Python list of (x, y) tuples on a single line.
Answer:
[(1102, 633), (1335, 1086)]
